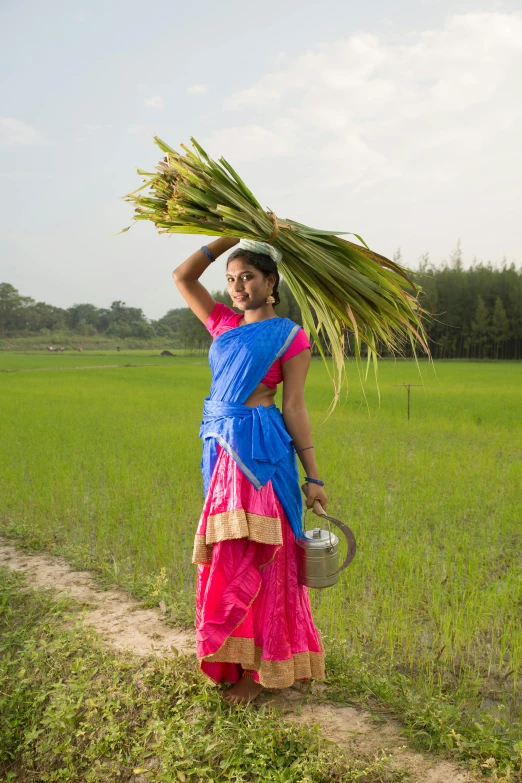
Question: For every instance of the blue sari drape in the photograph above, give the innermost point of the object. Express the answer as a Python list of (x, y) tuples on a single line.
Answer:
[(255, 438)]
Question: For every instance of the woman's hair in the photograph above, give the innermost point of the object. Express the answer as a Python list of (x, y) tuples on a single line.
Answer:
[(263, 263)]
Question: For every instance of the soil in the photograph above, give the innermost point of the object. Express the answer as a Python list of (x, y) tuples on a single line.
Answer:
[(120, 621)]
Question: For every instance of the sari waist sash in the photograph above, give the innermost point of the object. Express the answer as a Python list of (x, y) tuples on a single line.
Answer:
[(259, 443), (256, 438)]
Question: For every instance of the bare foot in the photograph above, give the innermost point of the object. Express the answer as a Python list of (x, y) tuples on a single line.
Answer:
[(244, 690)]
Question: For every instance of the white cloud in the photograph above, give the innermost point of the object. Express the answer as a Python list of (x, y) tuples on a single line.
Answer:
[(366, 109), (135, 129), (197, 89), (27, 175), (155, 102), (17, 133), (250, 142)]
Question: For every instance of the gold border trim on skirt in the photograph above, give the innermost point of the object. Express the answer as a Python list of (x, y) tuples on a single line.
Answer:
[(272, 674), (202, 552), (243, 524), (236, 524)]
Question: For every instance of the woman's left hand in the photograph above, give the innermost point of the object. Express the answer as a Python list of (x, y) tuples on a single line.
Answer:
[(314, 492)]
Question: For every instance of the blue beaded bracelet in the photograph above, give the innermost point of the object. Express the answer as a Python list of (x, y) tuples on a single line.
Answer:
[(314, 481), (208, 253)]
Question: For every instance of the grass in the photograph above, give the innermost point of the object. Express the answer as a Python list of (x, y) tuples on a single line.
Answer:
[(103, 466), (44, 360), (71, 709)]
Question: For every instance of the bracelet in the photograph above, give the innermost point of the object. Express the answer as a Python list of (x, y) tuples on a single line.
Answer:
[(305, 449), (208, 253), (314, 481)]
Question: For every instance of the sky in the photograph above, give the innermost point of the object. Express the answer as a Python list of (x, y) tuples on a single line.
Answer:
[(398, 121)]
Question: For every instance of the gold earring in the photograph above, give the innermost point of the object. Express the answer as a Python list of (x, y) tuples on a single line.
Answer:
[(270, 299)]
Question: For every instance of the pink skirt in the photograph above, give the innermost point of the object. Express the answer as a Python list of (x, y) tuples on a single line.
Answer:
[(251, 612)]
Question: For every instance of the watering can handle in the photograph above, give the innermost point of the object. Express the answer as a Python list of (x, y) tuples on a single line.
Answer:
[(349, 536), (320, 510)]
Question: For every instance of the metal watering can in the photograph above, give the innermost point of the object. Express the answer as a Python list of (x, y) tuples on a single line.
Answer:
[(318, 552)]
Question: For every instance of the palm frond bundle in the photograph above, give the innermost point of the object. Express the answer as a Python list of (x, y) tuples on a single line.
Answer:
[(340, 286)]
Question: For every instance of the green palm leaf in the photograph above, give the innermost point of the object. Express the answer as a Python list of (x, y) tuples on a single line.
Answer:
[(340, 286)]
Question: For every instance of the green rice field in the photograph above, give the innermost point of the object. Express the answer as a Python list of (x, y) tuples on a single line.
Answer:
[(101, 462)]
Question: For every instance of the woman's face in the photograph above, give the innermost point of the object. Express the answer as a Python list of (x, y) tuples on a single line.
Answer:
[(247, 286)]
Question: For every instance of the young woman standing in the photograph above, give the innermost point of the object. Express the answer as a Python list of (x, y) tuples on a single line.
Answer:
[(254, 626)]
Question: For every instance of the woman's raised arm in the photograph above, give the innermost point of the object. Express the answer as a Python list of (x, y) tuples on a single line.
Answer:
[(186, 276)]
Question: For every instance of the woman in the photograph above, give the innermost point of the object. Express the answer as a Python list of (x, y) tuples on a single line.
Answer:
[(254, 625)]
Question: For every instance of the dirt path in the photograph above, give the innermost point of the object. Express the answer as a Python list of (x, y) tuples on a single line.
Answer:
[(121, 622)]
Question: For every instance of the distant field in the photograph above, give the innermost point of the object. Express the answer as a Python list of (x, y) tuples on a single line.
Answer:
[(105, 462), (44, 360)]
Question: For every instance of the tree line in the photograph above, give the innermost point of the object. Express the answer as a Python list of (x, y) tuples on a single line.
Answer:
[(21, 316), (476, 313)]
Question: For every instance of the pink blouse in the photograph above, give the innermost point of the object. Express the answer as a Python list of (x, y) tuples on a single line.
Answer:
[(223, 318)]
